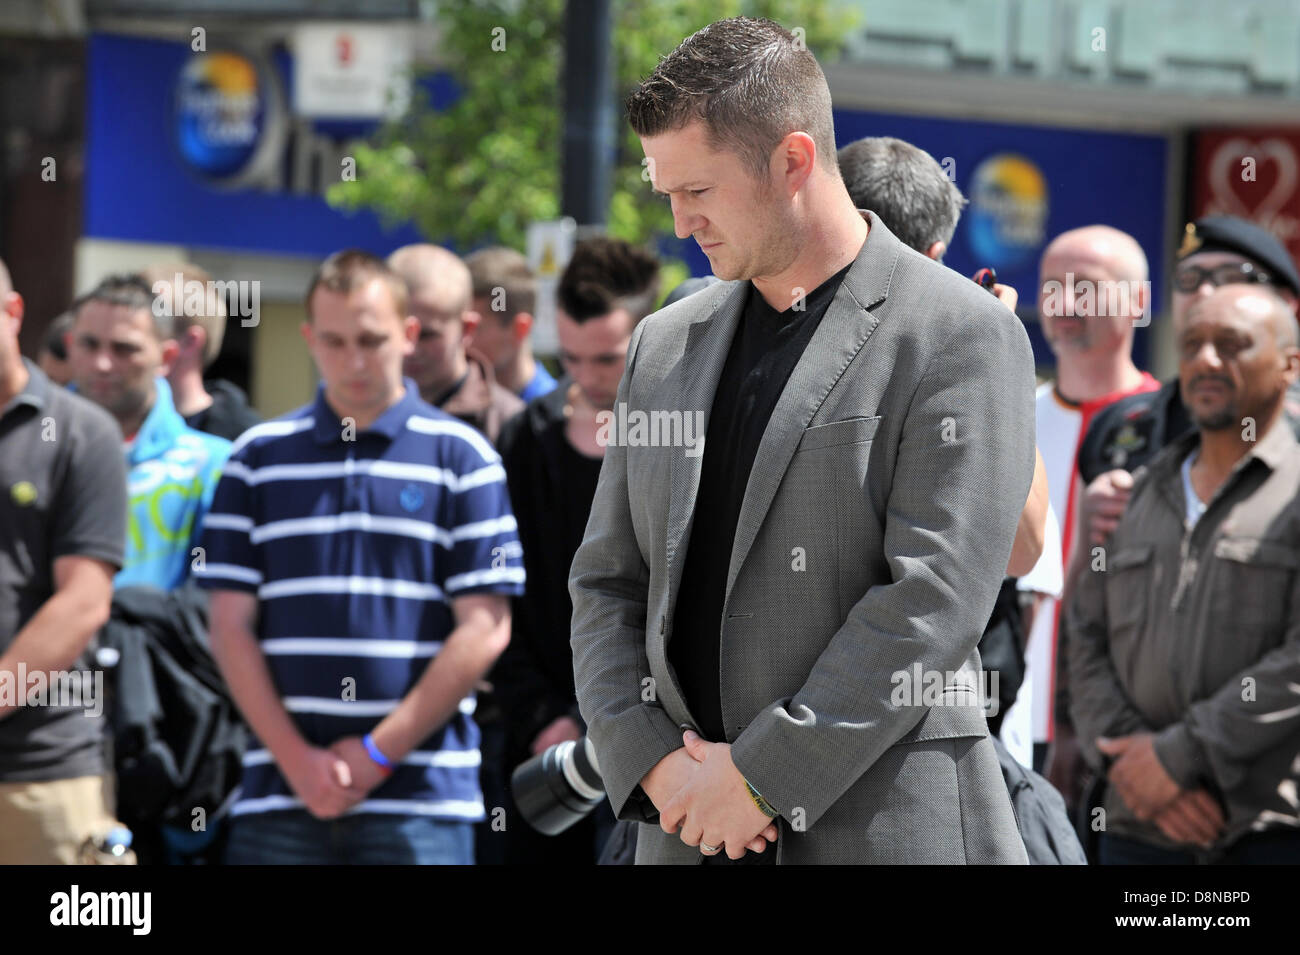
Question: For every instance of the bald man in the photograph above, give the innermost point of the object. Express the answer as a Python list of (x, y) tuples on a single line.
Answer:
[(1184, 662), (1093, 291), (449, 374)]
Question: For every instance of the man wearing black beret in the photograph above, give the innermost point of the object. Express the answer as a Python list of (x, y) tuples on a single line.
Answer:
[(1216, 251)]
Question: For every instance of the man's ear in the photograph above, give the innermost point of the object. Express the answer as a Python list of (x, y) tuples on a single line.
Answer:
[(522, 327), (171, 348), (936, 251), (12, 305), (196, 343), (796, 156), (410, 334), (469, 322), (1291, 364), (1139, 300)]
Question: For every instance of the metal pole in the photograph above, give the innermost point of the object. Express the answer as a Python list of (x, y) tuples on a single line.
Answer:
[(588, 152)]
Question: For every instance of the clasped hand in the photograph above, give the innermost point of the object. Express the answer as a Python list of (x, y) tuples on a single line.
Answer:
[(332, 780), (698, 790), (1183, 815)]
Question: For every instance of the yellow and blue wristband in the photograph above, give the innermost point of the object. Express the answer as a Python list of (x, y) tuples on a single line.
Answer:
[(764, 806)]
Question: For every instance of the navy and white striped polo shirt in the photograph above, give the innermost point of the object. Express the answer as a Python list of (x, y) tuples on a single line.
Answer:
[(355, 545)]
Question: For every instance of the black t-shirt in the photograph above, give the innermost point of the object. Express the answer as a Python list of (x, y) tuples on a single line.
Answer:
[(62, 493), (767, 346)]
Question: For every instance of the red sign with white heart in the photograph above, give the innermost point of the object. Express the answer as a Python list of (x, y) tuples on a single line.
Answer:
[(1253, 173)]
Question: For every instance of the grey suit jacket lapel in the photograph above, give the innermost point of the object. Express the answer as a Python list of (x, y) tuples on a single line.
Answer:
[(707, 345), (842, 332)]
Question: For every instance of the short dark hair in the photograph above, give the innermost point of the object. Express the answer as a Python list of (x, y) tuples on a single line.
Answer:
[(604, 274), (500, 267), (751, 82), (129, 291), (58, 327), (351, 269), (905, 187)]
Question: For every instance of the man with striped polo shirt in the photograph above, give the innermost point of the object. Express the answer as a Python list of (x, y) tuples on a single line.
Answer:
[(361, 551)]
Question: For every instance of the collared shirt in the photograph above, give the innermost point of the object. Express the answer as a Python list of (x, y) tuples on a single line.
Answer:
[(62, 493), (356, 544), (172, 474), (1192, 633), (1195, 506), (478, 400)]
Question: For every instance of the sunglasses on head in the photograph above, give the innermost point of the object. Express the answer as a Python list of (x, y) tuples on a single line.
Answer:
[(1188, 278)]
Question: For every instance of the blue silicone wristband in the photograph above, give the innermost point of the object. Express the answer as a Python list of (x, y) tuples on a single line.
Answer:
[(375, 754)]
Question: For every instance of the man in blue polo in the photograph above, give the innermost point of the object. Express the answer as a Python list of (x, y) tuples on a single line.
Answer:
[(361, 552), (120, 349)]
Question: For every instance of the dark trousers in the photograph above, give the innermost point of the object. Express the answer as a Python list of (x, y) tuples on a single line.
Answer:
[(1275, 847), (296, 837), (489, 846)]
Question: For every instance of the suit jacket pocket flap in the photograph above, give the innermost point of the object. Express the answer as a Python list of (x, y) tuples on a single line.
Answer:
[(848, 431), (1251, 550), (949, 719)]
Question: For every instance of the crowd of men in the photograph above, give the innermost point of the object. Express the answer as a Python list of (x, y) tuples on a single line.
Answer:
[(387, 569)]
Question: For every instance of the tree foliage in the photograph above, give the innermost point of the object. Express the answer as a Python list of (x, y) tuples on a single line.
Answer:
[(488, 164)]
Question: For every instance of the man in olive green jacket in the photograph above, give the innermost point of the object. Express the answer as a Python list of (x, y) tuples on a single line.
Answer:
[(1184, 658)]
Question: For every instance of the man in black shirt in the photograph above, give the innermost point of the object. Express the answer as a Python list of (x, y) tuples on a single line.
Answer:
[(552, 454), (893, 454), (767, 346), (218, 407)]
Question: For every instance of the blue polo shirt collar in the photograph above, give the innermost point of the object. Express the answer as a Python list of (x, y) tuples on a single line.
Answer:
[(161, 427), (328, 427)]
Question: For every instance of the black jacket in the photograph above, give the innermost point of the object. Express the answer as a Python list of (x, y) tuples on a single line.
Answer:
[(178, 742), (228, 416), (551, 490)]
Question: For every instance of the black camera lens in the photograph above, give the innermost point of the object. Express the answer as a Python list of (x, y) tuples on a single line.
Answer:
[(555, 789)]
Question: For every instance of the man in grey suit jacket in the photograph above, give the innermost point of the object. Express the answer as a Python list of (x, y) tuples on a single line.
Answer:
[(878, 450)]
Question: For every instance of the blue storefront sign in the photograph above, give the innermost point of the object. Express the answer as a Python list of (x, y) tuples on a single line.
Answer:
[(199, 149)]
